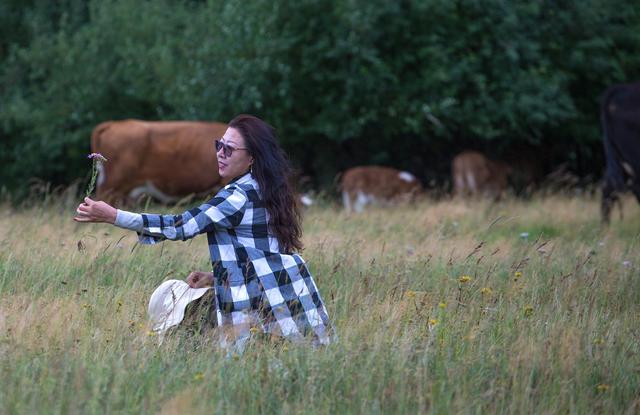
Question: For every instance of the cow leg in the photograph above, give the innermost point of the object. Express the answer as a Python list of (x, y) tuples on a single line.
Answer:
[(346, 201), (609, 197), (151, 190), (635, 189), (360, 203), (104, 190), (605, 209), (458, 185), (101, 175), (620, 208), (472, 185), (114, 186)]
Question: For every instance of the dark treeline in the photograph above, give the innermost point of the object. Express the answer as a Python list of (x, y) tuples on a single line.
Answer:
[(401, 83)]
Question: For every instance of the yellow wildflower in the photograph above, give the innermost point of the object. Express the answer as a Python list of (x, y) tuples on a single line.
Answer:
[(433, 322), (517, 275), (253, 330), (151, 333), (464, 279), (442, 305), (528, 310), (410, 294), (199, 376), (486, 291), (603, 387)]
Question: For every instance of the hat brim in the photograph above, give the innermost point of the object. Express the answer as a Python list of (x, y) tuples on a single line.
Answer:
[(169, 301)]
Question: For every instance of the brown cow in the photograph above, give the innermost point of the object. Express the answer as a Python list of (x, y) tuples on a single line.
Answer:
[(475, 175), (373, 184), (164, 159)]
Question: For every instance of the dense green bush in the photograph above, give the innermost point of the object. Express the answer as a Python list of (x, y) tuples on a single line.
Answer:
[(403, 83)]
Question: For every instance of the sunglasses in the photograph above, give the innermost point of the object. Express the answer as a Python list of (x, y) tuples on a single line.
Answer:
[(227, 150)]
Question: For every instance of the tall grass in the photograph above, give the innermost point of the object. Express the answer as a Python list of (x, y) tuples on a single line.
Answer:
[(441, 307)]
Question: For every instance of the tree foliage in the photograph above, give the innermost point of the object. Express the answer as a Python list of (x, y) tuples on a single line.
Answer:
[(404, 83)]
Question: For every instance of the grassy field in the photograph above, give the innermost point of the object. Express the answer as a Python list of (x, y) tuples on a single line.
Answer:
[(443, 307)]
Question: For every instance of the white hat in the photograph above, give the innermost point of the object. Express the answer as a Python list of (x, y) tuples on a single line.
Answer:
[(168, 302)]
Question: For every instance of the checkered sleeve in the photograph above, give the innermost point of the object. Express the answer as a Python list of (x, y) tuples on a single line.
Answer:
[(225, 211)]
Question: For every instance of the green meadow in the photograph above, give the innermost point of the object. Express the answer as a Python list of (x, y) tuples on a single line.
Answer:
[(445, 306)]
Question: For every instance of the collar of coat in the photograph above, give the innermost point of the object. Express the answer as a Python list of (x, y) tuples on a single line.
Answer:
[(245, 178)]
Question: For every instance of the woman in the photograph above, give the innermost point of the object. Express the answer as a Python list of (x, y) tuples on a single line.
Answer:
[(253, 228)]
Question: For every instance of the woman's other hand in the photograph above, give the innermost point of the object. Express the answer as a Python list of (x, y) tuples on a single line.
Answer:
[(200, 279), (95, 211)]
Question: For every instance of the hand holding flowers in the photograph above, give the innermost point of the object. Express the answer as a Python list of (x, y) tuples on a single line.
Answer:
[(91, 210), (95, 211)]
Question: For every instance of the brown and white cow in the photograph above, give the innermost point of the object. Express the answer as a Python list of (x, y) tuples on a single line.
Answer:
[(164, 159), (475, 175), (377, 185)]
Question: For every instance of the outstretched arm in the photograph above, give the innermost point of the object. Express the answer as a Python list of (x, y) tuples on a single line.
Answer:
[(224, 211)]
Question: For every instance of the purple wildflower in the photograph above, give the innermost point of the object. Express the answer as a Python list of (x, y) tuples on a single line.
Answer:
[(97, 156)]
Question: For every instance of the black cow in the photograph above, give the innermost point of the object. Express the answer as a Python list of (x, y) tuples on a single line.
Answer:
[(620, 116)]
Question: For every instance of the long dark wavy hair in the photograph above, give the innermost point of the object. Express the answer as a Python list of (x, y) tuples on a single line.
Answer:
[(272, 171)]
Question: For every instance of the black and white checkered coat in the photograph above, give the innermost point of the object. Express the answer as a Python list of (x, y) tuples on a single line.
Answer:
[(256, 286)]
